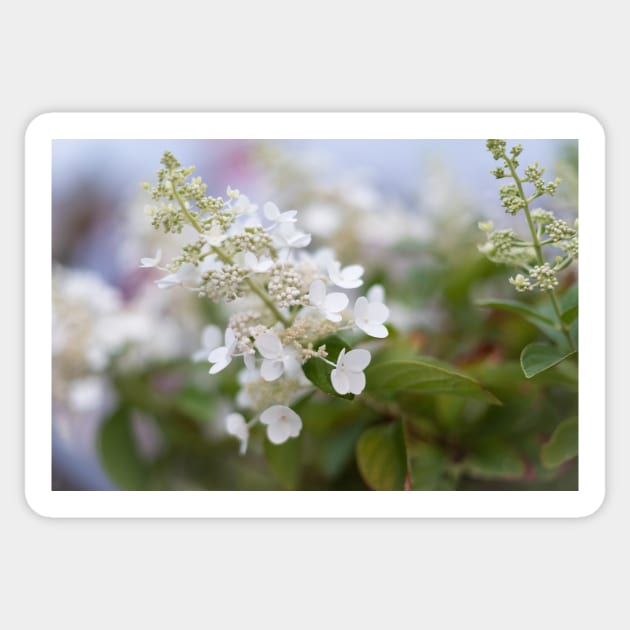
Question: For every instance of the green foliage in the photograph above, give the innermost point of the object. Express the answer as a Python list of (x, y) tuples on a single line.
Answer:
[(119, 453), (562, 446), (381, 457), (537, 357), (285, 462), (424, 377)]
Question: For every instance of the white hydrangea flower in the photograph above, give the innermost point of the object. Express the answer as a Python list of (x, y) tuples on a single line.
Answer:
[(282, 423), (237, 426), (222, 356), (369, 317), (346, 278), (146, 263), (292, 238), (276, 358), (376, 293), (272, 213), (210, 339), (186, 273), (258, 265), (244, 206), (348, 377), (215, 236), (330, 305)]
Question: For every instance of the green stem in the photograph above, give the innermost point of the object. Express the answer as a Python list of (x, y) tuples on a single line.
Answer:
[(259, 291), (538, 249)]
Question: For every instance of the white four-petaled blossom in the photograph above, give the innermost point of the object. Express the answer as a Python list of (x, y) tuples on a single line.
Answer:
[(259, 265), (146, 263), (236, 426), (276, 358), (348, 377), (369, 317), (272, 213), (215, 236), (346, 278), (330, 305), (222, 356), (292, 238), (210, 339), (186, 273), (282, 423)]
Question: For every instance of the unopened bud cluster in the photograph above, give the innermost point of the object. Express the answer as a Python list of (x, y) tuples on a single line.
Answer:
[(527, 254)]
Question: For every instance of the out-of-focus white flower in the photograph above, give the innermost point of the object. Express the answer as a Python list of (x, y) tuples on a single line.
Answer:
[(276, 358), (236, 426), (244, 206), (369, 317), (282, 423), (346, 278), (376, 293), (348, 377), (186, 273), (151, 262), (272, 213), (222, 356), (90, 394), (292, 238), (210, 339), (321, 219), (330, 305), (255, 264)]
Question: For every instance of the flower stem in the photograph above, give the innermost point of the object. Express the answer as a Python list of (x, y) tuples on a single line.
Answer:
[(538, 248), (259, 291)]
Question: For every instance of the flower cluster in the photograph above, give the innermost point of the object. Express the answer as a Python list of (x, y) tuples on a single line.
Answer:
[(285, 299), (546, 231)]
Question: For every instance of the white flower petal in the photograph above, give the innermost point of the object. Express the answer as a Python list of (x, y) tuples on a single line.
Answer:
[(361, 308), (356, 382), (376, 293), (377, 312), (271, 212), (271, 369), (374, 330), (333, 317), (340, 382), (288, 216), (218, 354), (352, 272), (235, 425), (230, 338), (278, 432), (357, 360), (220, 365), (250, 360), (300, 240), (250, 260), (264, 265), (317, 293), (269, 346), (335, 302), (211, 336)]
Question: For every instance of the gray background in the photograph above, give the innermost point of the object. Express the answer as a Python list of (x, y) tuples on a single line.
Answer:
[(124, 56)]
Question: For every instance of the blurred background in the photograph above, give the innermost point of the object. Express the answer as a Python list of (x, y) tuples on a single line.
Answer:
[(406, 210)]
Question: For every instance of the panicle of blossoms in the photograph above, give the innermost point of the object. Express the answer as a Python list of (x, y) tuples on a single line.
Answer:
[(539, 271), (284, 300)]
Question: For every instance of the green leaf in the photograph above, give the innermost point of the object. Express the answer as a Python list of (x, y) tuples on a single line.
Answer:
[(285, 460), (427, 463), (562, 446), (381, 457), (424, 376), (195, 404), (119, 453), (524, 310), (318, 371), (494, 460), (537, 357)]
